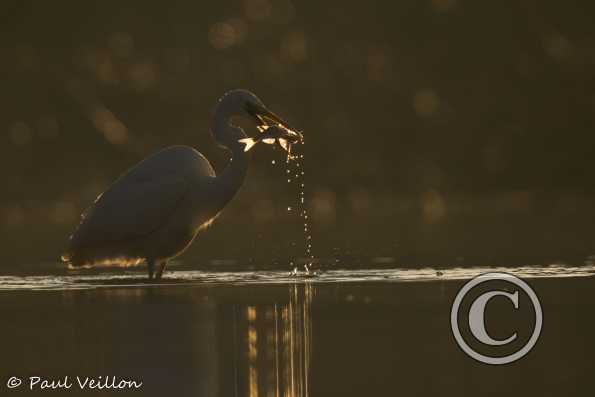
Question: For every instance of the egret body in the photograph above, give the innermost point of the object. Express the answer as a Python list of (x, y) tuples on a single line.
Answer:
[(153, 212)]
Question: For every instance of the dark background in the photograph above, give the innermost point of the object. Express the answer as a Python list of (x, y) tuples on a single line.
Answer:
[(438, 132)]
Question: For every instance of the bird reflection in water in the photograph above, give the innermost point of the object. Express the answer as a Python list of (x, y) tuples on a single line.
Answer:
[(273, 350)]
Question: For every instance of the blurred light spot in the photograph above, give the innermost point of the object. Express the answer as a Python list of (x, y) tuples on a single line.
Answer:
[(99, 61), (20, 133), (433, 206), (252, 339), (113, 129), (48, 127), (378, 65), (143, 75), (294, 47), (121, 44), (557, 46), (13, 215), (63, 212), (425, 103), (257, 10), (251, 311), (239, 27), (360, 201), (223, 35), (323, 205), (443, 5)]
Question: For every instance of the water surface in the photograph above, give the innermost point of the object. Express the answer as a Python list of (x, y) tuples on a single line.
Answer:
[(342, 332)]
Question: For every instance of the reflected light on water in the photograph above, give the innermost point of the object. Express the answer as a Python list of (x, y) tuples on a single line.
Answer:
[(186, 278), (267, 334), (276, 344)]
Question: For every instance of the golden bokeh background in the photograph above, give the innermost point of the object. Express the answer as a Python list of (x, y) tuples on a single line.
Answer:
[(438, 131)]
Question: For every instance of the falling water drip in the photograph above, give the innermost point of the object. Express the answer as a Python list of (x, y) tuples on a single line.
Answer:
[(299, 176)]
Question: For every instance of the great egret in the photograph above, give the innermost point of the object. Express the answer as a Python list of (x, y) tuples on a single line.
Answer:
[(153, 212)]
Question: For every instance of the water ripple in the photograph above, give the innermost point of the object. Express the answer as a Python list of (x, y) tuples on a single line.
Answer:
[(195, 277)]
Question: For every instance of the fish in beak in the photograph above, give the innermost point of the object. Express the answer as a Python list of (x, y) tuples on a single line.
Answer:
[(274, 134)]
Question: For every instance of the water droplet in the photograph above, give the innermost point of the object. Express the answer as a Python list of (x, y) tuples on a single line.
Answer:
[(295, 170), (273, 162)]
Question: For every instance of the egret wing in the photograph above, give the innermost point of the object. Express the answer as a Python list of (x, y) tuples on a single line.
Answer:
[(129, 209)]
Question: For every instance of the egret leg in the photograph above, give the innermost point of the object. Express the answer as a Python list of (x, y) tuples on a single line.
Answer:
[(160, 270), (151, 268)]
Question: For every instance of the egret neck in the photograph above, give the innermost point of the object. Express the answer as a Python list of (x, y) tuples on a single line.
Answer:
[(232, 177), (227, 135)]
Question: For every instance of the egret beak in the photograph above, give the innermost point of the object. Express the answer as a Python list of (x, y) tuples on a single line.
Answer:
[(266, 117)]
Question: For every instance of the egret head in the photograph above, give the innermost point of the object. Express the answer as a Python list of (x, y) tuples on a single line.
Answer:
[(241, 103)]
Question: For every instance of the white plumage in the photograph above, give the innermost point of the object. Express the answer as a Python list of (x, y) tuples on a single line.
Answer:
[(154, 211)]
